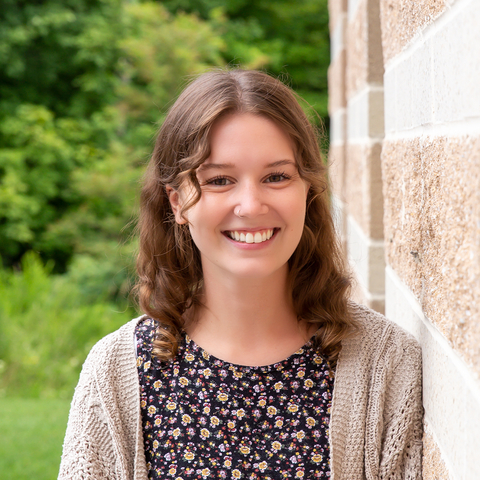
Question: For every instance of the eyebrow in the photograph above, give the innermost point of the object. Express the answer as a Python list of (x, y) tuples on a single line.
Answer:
[(224, 166)]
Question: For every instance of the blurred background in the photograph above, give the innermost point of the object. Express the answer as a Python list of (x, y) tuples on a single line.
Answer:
[(84, 85)]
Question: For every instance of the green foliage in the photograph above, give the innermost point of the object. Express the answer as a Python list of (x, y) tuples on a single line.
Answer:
[(284, 37), (59, 53), (47, 328), (40, 423), (75, 130)]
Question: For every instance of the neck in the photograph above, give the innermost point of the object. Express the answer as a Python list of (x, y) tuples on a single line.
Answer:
[(248, 322)]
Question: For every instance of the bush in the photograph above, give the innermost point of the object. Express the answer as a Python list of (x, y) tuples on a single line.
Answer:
[(46, 330)]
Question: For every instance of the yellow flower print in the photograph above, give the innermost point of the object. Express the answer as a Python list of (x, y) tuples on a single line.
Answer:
[(318, 360), (158, 421), (143, 403), (155, 444), (214, 420), (205, 472), (223, 397), (176, 432), (236, 473), (292, 408), (186, 418), (205, 355), (240, 413), (227, 462), (308, 383), (311, 422), (189, 357), (244, 449), (206, 409), (171, 406), (139, 361), (300, 435), (204, 433), (189, 456), (262, 466), (279, 423), (237, 374), (300, 474), (146, 365), (172, 471), (276, 445), (231, 424), (317, 458), (183, 381), (262, 402), (271, 410), (151, 410), (278, 386), (175, 371), (300, 351), (207, 372), (157, 384), (300, 373)]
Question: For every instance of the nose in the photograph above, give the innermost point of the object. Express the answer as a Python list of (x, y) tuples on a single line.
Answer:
[(250, 201)]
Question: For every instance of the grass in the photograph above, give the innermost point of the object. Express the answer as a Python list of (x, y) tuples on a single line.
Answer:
[(31, 433)]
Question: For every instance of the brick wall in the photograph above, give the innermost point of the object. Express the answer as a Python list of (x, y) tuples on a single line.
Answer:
[(405, 162)]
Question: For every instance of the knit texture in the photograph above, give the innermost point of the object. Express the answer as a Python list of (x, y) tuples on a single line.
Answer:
[(375, 425)]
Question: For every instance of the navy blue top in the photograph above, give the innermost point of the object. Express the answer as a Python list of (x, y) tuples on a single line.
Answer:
[(206, 418)]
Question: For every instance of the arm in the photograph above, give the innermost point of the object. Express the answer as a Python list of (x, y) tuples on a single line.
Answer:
[(88, 451), (397, 403)]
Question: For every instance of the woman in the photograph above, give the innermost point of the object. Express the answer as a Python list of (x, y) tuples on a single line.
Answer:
[(250, 361)]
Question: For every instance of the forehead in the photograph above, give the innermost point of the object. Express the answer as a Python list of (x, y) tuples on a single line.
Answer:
[(244, 135)]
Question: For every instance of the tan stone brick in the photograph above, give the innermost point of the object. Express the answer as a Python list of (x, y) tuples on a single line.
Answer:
[(433, 465), (360, 296), (335, 9), (336, 83), (357, 51), (374, 40), (432, 231), (364, 48), (363, 188), (336, 162), (401, 20)]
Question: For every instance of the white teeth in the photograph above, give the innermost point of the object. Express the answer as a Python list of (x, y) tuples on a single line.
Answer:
[(257, 237)]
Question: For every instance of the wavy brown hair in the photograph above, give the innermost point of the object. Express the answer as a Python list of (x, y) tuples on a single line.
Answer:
[(168, 264)]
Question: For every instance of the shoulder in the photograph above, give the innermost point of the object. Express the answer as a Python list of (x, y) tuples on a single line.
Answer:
[(116, 348), (379, 343), (375, 331)]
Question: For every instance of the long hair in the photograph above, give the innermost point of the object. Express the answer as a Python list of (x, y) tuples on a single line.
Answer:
[(168, 264)]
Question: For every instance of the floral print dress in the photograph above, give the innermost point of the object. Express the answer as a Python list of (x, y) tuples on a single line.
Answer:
[(206, 418)]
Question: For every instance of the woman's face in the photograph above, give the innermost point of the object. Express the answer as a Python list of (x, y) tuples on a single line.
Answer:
[(250, 216)]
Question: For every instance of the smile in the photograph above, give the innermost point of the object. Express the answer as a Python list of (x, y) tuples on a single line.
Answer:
[(251, 237)]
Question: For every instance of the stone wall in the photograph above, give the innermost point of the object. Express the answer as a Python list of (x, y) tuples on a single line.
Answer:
[(407, 189), (356, 110)]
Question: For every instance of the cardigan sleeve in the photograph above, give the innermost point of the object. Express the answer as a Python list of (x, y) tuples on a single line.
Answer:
[(400, 454), (88, 451)]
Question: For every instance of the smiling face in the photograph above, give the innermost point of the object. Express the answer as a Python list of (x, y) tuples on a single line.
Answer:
[(250, 215)]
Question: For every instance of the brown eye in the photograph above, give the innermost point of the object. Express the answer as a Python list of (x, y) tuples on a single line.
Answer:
[(218, 181), (277, 177)]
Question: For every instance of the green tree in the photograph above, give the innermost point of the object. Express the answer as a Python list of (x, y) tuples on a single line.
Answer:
[(287, 38), (73, 145)]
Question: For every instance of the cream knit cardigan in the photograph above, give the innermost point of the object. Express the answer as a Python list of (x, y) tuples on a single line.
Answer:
[(375, 424)]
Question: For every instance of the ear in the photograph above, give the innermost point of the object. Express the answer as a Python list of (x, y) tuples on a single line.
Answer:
[(176, 203)]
